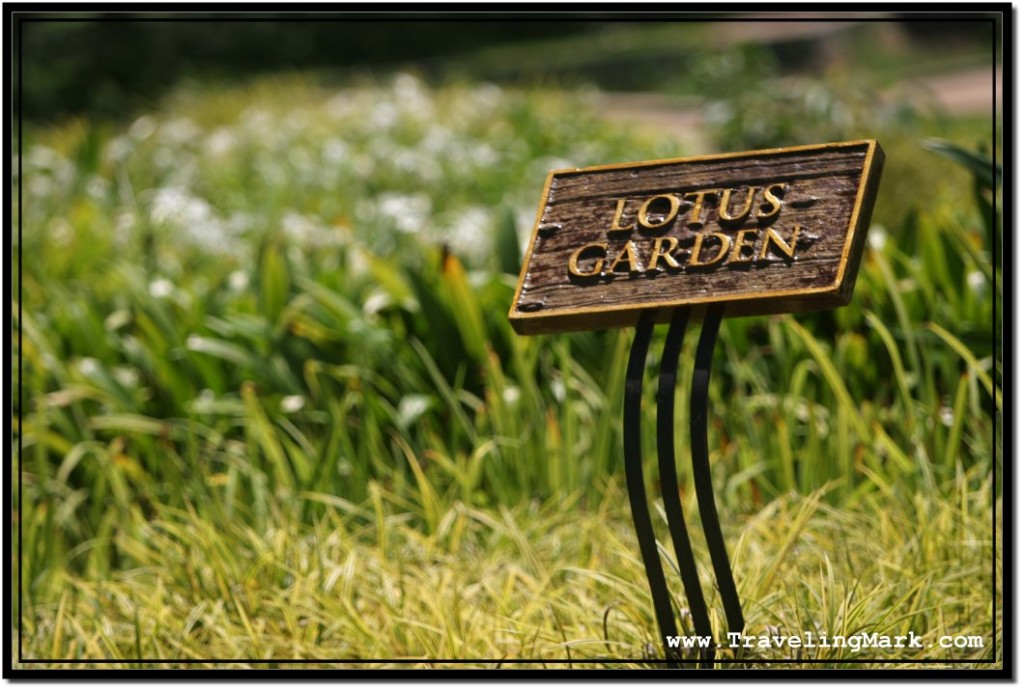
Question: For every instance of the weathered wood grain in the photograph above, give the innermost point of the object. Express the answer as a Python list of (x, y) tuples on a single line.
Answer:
[(827, 190)]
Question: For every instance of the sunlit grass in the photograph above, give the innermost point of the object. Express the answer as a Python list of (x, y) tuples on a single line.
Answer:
[(544, 582)]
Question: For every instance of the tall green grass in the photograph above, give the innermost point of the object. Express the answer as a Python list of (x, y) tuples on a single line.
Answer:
[(264, 330)]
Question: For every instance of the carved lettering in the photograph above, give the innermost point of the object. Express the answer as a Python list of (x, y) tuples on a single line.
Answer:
[(628, 254), (698, 205), (772, 200), (773, 238), (574, 258), (724, 214), (620, 205), (664, 253), (723, 249), (739, 244), (661, 253), (673, 209)]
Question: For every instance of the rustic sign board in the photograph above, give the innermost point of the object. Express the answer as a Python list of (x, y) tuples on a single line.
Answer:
[(765, 232)]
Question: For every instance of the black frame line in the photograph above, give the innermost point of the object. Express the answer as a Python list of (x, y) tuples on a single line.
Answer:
[(1001, 31)]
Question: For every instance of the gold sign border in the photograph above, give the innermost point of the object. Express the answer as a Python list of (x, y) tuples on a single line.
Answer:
[(874, 157)]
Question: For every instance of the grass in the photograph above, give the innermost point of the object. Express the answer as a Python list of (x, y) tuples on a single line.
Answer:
[(495, 587), (272, 406)]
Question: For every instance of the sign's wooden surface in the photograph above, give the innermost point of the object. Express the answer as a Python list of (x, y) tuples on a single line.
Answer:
[(772, 231)]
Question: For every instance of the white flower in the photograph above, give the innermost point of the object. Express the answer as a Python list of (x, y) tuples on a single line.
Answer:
[(877, 237), (411, 407), (60, 231), (408, 212), (40, 185), (127, 376), (363, 166), (376, 301), (117, 149), (179, 131), (384, 115), (97, 187), (124, 222), (161, 288), (558, 389), (221, 142), (192, 216), (292, 404), (356, 262), (335, 151), (510, 395), (483, 155), (238, 280), (468, 231), (142, 128), (43, 157), (305, 229), (976, 280), (946, 416)]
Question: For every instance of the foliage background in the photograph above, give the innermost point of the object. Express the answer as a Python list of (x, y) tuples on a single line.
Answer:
[(271, 407)]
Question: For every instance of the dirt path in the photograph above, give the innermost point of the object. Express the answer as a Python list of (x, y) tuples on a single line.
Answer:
[(967, 92)]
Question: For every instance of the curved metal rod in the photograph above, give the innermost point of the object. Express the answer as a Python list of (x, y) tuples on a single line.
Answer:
[(670, 481), (702, 469), (635, 485)]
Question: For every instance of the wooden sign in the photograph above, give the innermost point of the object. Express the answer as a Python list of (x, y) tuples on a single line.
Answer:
[(771, 231)]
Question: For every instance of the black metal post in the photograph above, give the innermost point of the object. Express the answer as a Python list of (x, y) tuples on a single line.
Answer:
[(663, 611), (702, 469), (670, 482), (635, 486)]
